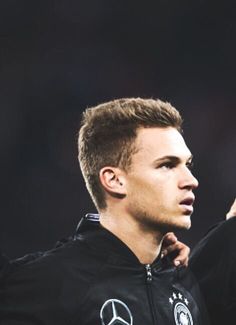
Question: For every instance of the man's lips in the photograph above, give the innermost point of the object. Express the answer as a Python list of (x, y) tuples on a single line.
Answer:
[(187, 203)]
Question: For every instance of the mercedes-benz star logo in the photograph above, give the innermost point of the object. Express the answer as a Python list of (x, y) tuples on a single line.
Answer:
[(115, 312)]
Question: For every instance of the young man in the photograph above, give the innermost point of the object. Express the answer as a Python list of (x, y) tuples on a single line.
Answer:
[(136, 166)]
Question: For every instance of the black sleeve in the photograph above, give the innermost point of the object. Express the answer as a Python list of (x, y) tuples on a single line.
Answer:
[(213, 262), (4, 263)]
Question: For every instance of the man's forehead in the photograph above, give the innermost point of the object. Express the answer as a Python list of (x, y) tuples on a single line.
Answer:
[(158, 135), (161, 142)]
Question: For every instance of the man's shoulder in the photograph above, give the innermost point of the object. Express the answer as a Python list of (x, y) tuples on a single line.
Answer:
[(75, 252), (67, 271), (53, 264), (44, 281)]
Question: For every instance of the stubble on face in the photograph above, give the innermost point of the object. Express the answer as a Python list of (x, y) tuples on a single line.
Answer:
[(154, 195), (159, 220)]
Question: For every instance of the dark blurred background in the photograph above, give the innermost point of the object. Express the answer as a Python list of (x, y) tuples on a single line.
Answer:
[(58, 57)]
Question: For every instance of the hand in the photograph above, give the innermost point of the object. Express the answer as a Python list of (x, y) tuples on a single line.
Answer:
[(232, 211), (172, 245)]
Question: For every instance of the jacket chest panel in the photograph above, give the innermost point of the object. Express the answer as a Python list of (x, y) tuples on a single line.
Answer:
[(126, 297)]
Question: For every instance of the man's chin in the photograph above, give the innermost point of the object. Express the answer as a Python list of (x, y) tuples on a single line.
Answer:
[(185, 223), (180, 222)]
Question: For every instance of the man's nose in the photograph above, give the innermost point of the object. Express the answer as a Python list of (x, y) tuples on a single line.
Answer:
[(188, 180)]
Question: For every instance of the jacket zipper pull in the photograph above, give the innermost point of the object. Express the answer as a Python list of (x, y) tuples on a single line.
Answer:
[(148, 273)]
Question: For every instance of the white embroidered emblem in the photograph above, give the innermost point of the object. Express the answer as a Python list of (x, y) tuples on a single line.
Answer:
[(182, 314), (114, 312)]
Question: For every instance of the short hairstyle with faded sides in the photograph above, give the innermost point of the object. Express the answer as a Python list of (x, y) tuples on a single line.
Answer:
[(108, 132)]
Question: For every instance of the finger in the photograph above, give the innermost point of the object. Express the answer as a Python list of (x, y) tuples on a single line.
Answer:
[(182, 252), (169, 239), (232, 211), (183, 257)]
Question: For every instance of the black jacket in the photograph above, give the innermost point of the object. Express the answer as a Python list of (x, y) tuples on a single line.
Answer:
[(94, 279), (213, 262)]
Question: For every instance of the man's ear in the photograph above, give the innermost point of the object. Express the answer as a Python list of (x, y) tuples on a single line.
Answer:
[(113, 181)]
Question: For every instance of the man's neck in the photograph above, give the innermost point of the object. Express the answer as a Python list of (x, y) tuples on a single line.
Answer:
[(144, 244)]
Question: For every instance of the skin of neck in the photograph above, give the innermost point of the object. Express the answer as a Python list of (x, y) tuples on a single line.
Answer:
[(145, 244)]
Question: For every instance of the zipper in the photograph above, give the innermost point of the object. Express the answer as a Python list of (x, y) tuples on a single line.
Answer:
[(149, 279), (148, 273)]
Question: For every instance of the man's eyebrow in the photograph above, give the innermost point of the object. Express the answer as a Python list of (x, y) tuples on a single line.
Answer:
[(172, 158)]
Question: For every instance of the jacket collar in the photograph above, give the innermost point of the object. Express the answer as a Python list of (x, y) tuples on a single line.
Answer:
[(102, 240)]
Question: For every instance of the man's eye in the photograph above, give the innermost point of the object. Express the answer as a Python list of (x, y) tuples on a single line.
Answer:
[(190, 165), (167, 165)]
